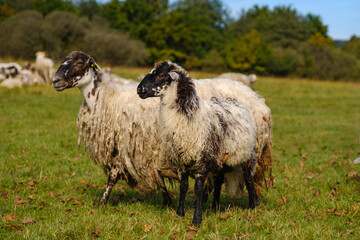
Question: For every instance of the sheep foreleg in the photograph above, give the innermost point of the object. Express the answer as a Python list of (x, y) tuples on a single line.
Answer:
[(184, 184), (199, 188), (248, 171), (219, 180), (112, 179)]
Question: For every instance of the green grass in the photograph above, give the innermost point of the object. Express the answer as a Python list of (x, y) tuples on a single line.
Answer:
[(48, 185)]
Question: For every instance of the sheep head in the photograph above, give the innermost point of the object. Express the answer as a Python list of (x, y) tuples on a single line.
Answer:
[(160, 77), (73, 71)]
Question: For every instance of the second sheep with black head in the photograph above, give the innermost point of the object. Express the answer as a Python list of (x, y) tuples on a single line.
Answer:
[(203, 137)]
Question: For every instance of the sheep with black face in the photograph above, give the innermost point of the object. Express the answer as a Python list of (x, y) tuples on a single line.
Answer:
[(202, 136), (112, 125)]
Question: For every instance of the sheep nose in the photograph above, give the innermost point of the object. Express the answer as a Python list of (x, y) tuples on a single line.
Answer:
[(55, 79), (140, 90)]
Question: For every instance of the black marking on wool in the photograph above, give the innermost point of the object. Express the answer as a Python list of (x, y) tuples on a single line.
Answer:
[(211, 153), (96, 81), (187, 99)]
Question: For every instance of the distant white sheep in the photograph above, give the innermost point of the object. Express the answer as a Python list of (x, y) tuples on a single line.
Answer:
[(44, 66), (116, 78), (248, 80)]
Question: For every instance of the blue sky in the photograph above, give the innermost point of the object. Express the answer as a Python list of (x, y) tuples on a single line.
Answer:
[(341, 16)]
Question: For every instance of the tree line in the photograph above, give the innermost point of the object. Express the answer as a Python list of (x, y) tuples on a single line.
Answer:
[(198, 34)]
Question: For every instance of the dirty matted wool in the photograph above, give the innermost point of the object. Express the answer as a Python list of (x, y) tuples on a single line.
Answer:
[(123, 129)]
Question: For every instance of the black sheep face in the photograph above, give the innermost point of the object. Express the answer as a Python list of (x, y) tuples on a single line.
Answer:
[(73, 70), (155, 83)]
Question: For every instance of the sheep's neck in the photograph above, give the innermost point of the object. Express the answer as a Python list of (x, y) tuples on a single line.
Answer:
[(183, 97), (90, 90)]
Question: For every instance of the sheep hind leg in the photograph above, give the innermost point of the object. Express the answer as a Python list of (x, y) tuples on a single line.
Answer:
[(248, 171), (199, 188), (219, 180), (112, 179), (184, 185), (166, 197)]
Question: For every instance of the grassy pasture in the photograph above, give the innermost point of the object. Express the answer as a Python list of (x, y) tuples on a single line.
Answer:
[(48, 185)]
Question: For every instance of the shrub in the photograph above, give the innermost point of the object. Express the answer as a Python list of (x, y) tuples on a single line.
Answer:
[(20, 35)]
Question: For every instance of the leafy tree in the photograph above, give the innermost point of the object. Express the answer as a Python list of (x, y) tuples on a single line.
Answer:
[(19, 38), (248, 53), (48, 6), (353, 46), (6, 11), (316, 25), (192, 27), (88, 8), (281, 27)]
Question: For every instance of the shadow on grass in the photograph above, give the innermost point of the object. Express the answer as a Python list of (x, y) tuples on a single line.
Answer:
[(131, 196)]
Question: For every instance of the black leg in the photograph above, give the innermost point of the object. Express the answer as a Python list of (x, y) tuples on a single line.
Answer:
[(184, 185), (199, 188), (248, 168), (166, 197), (112, 179), (219, 180)]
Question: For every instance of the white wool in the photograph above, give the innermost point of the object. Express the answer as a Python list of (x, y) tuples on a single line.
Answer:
[(248, 80), (44, 66), (188, 137), (12, 83), (115, 78)]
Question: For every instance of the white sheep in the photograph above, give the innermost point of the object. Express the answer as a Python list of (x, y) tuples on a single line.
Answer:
[(116, 78), (12, 82), (202, 136), (248, 80), (126, 131), (9, 69), (44, 66)]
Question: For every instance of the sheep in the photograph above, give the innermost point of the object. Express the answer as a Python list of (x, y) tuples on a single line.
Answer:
[(247, 80), (112, 127), (44, 66), (202, 136), (116, 78), (12, 82), (9, 69), (138, 137)]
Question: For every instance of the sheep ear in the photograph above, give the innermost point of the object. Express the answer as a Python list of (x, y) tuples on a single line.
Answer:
[(174, 76)]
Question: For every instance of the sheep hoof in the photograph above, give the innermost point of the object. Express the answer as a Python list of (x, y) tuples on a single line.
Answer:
[(196, 221), (180, 212), (254, 203), (102, 202)]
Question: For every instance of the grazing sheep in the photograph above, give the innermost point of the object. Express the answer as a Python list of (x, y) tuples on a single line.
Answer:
[(202, 136), (135, 133), (44, 66), (247, 80)]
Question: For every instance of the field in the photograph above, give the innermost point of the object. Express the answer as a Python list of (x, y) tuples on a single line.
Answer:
[(49, 187)]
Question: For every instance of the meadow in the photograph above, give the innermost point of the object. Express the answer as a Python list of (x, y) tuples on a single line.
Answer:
[(49, 187)]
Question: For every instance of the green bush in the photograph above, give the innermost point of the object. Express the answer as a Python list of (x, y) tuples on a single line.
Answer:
[(21, 35), (61, 32)]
